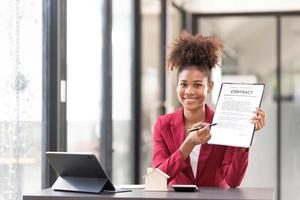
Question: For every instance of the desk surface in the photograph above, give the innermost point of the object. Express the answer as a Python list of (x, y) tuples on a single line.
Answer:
[(203, 193)]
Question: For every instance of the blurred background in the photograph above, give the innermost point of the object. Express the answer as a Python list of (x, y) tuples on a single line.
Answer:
[(89, 76)]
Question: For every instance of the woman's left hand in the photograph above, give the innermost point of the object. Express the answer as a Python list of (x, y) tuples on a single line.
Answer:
[(260, 119)]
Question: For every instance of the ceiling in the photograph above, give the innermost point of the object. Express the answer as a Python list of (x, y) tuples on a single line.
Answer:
[(211, 6)]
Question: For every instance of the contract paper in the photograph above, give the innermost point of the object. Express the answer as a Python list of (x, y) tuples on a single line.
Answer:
[(235, 107)]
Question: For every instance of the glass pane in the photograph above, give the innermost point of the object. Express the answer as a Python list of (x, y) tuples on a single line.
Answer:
[(250, 56), (83, 75), (21, 97), (175, 26), (290, 108), (121, 105), (150, 78)]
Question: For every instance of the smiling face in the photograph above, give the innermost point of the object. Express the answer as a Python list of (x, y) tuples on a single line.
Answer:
[(192, 88)]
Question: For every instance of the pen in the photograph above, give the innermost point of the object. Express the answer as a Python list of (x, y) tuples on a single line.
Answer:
[(196, 129)]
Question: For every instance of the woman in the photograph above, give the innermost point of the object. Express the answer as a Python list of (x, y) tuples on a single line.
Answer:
[(186, 157)]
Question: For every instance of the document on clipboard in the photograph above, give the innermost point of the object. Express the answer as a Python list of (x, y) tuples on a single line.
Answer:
[(235, 107)]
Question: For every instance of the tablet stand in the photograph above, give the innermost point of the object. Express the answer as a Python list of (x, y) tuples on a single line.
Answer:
[(80, 184)]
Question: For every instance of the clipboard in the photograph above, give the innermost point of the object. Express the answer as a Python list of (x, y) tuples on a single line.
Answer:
[(235, 106)]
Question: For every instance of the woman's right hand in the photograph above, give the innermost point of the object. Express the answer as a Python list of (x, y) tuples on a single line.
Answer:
[(194, 138), (200, 136)]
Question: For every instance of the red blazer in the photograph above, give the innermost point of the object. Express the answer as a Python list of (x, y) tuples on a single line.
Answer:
[(218, 166)]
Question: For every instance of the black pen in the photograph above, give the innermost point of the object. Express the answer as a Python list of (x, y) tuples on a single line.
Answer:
[(196, 129)]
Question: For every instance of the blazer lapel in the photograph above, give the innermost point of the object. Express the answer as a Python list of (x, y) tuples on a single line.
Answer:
[(178, 136), (177, 128), (205, 148), (203, 156)]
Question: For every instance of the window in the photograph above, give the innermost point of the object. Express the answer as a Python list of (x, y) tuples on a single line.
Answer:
[(21, 97), (84, 52), (123, 141)]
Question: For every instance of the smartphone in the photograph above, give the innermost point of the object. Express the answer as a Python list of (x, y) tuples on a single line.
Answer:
[(185, 188)]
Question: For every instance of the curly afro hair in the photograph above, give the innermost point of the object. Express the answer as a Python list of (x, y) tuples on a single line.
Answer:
[(197, 51)]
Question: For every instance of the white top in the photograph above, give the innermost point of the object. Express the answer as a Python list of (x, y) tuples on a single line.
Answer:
[(194, 156)]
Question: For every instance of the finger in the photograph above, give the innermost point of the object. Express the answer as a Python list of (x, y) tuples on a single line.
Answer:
[(260, 119), (258, 116), (258, 125), (254, 121), (195, 129), (203, 130), (205, 139), (202, 135), (199, 125), (259, 111)]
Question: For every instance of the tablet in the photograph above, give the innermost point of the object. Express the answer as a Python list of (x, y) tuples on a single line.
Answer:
[(79, 172), (185, 188)]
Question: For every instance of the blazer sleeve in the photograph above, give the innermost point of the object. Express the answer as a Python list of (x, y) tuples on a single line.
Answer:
[(234, 165), (170, 163)]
